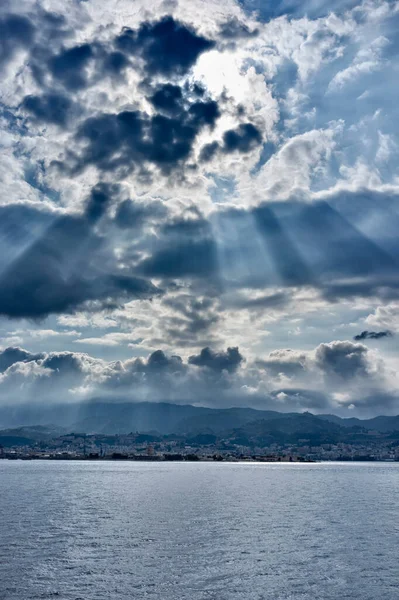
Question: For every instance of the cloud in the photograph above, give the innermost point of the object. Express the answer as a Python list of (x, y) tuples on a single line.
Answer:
[(291, 169), (133, 215), (9, 356), (366, 61), (16, 32), (167, 46), (385, 316), (190, 321), (66, 267), (343, 360), (168, 98), (288, 362), (343, 370), (133, 139), (218, 361), (332, 377), (234, 29), (49, 108), (199, 175), (372, 335), (99, 200), (242, 140), (70, 65), (185, 248)]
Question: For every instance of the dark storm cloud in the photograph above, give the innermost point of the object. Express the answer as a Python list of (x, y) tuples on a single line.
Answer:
[(168, 47), (229, 360), (132, 138), (65, 266), (16, 32), (49, 108), (242, 139), (372, 335)]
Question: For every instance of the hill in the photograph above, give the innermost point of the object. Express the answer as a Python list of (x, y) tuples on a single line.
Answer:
[(120, 417)]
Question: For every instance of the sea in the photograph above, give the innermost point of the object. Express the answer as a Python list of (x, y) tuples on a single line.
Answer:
[(81, 530)]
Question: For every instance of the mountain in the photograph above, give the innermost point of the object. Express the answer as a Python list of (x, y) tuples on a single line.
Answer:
[(218, 420), (381, 423), (28, 435), (119, 416), (289, 428), (101, 416)]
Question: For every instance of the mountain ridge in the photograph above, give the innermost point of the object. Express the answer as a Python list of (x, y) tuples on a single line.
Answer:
[(101, 416)]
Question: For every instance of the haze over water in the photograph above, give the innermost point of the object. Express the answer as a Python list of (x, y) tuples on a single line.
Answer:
[(113, 530)]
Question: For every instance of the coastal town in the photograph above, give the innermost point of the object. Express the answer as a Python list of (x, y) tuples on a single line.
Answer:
[(141, 447)]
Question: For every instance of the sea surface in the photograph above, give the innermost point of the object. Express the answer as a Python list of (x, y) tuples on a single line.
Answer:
[(198, 531)]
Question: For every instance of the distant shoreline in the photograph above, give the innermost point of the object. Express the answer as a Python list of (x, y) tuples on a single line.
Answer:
[(229, 461), (154, 459)]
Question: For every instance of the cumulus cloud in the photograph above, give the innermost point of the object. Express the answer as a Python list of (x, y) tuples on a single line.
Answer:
[(343, 360), (385, 316), (219, 361), (287, 362), (9, 356), (333, 376)]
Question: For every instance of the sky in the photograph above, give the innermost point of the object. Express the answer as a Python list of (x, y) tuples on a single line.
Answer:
[(199, 203)]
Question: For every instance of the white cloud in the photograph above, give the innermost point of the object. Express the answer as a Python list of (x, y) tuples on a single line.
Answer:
[(292, 169), (385, 317)]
